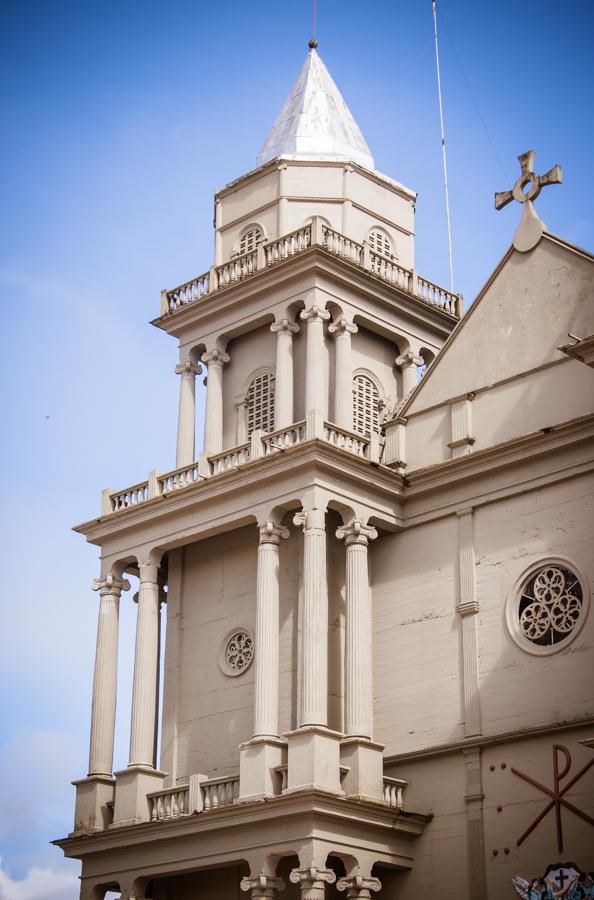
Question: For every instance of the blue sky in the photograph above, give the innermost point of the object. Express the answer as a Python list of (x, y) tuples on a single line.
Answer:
[(120, 120)]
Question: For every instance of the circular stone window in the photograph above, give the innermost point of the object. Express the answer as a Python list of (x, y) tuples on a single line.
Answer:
[(547, 607), (237, 652)]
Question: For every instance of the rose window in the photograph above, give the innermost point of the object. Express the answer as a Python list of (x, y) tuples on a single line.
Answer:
[(238, 652), (551, 605)]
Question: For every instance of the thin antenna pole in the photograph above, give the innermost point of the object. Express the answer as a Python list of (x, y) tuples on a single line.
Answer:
[(443, 147), (314, 17)]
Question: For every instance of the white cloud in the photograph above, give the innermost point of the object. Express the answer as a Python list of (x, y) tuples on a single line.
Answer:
[(39, 884)]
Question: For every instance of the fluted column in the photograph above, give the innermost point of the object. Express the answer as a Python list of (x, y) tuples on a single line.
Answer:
[(359, 887), (213, 427), (358, 645), (186, 422), (267, 631), (241, 406), (262, 886), (343, 379), (312, 881), (315, 376), (283, 387), (408, 363), (314, 643), (146, 671), (106, 672)]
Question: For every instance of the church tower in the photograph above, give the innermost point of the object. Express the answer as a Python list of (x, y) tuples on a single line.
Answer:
[(312, 327)]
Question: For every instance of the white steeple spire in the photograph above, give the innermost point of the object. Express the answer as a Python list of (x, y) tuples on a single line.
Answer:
[(315, 121)]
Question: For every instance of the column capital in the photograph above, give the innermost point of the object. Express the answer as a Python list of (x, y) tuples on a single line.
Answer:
[(241, 400), (284, 326), (187, 368), (312, 877), (110, 585), (342, 326), (310, 518), (410, 359), (262, 885), (215, 357), (358, 887), (272, 534), (314, 314), (356, 533)]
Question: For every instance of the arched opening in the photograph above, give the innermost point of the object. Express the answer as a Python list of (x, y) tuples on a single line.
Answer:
[(366, 405), (249, 239), (260, 402)]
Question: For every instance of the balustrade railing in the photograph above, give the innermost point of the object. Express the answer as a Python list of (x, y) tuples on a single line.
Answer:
[(345, 440), (316, 232), (180, 478), (288, 245), (131, 496), (170, 803), (342, 246), (275, 441), (394, 792), (230, 459), (237, 269), (220, 791)]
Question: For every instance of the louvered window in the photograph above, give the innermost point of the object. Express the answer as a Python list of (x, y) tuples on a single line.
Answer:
[(380, 243), (261, 403), (365, 406), (250, 240)]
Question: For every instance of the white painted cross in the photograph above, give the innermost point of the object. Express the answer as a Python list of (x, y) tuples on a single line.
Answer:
[(525, 190)]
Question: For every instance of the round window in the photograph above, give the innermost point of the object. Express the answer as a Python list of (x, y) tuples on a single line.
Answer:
[(237, 652), (547, 607)]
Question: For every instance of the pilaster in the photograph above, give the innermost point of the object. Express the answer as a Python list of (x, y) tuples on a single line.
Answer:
[(316, 390), (461, 425), (343, 381), (213, 428), (468, 608), (283, 388), (186, 423), (474, 797)]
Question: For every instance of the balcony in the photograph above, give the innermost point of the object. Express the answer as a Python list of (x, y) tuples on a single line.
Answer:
[(317, 233), (259, 446)]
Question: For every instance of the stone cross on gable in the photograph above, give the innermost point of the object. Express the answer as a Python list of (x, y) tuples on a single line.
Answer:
[(525, 190)]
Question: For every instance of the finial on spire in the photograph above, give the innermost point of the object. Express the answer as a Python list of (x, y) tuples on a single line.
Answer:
[(312, 44), (525, 190)]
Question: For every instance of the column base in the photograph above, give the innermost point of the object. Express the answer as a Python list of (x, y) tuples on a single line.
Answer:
[(365, 777), (93, 794), (132, 786), (258, 759), (314, 760)]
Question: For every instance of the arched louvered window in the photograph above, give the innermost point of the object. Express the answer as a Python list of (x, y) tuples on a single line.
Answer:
[(365, 406), (379, 242), (260, 397), (250, 240)]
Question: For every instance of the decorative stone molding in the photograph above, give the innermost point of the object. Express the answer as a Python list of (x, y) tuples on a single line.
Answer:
[(314, 314), (408, 363), (285, 326), (216, 357), (272, 534), (188, 368), (110, 586), (358, 887), (262, 886), (342, 326), (356, 533), (312, 881), (410, 359)]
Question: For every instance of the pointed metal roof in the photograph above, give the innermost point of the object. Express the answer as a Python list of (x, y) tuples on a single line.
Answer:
[(315, 121)]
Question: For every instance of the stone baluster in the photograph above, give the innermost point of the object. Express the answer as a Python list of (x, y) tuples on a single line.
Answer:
[(267, 631), (343, 381), (213, 427), (358, 887), (241, 405), (314, 643), (408, 363), (358, 648), (105, 678), (186, 422), (312, 881), (315, 373), (283, 388), (146, 670), (262, 886)]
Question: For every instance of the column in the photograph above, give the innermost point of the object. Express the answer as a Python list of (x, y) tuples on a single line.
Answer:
[(105, 678), (408, 363), (267, 631), (241, 406), (314, 625), (213, 428), (343, 379), (359, 887), (262, 886), (358, 649), (315, 374), (312, 881), (186, 422), (146, 671), (283, 388)]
